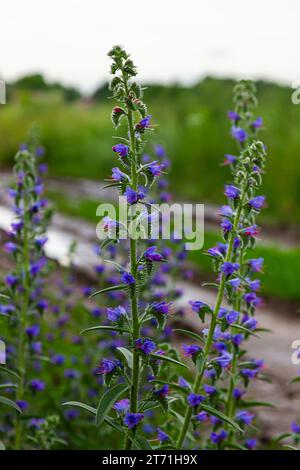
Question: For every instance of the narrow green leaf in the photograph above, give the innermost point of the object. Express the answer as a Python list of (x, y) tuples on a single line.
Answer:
[(168, 359), (128, 356), (296, 379), (107, 400), (221, 415), (8, 371), (189, 333), (172, 385), (243, 328), (12, 404), (79, 404), (8, 385), (141, 443), (109, 289), (105, 328), (250, 404)]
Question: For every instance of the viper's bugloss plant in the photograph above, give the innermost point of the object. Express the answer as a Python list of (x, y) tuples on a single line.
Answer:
[(23, 284), (134, 368), (221, 355)]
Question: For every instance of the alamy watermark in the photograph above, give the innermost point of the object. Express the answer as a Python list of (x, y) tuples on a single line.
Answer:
[(2, 352), (152, 222), (295, 358), (2, 92)]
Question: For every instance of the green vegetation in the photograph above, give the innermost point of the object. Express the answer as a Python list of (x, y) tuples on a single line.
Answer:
[(190, 123)]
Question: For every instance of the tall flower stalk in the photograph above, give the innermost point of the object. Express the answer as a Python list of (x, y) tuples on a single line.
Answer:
[(27, 239), (239, 231)]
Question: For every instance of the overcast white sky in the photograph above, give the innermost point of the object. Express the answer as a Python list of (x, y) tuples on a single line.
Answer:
[(169, 40)]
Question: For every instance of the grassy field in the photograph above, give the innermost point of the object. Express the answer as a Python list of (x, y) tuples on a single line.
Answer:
[(192, 124)]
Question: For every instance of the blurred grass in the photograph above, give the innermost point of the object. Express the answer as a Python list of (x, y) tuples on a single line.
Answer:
[(191, 122)]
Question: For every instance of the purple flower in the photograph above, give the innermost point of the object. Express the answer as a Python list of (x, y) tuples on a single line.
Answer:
[(190, 350), (40, 242), (162, 436), (209, 389), (32, 331), (131, 420), (71, 374), (238, 339), (146, 345), (131, 195), (226, 225), (257, 124), (106, 366), (249, 322), (10, 247), (152, 255), (218, 438), (183, 383), (121, 149), (251, 231), (118, 175), (249, 373), (163, 391), (202, 416), (143, 124), (22, 404), (23, 147), (127, 278), (58, 359), (229, 159), (37, 385), (155, 168), (115, 314), (295, 428), (232, 317), (122, 405), (239, 134), (226, 211), (197, 305), (238, 393), (235, 283), (160, 151), (233, 116), (36, 423), (257, 202), (231, 191), (40, 151), (195, 399), (244, 417), (11, 280), (256, 264), (251, 443), (71, 414), (224, 360), (161, 308), (229, 268)]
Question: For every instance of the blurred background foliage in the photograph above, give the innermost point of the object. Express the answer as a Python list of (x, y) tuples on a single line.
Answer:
[(191, 123)]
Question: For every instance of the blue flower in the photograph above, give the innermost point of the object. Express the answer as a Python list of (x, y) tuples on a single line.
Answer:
[(209, 389), (257, 202), (131, 420), (152, 255), (202, 416), (224, 360), (118, 175), (121, 149), (256, 264), (229, 268), (37, 385), (161, 307), (295, 428), (163, 391), (226, 225), (127, 278), (106, 366), (115, 314), (251, 443), (162, 436), (218, 438), (183, 383), (231, 191), (244, 417), (146, 345), (190, 350), (239, 134), (233, 116), (257, 124), (195, 399), (122, 405), (229, 159)]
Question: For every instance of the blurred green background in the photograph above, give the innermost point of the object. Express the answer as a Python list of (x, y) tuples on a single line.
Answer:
[(191, 123)]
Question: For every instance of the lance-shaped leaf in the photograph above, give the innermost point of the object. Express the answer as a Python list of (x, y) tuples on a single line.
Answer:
[(212, 411), (244, 329), (105, 328), (9, 371), (127, 355), (107, 400), (191, 334), (8, 385), (160, 357), (12, 404), (83, 406), (109, 289)]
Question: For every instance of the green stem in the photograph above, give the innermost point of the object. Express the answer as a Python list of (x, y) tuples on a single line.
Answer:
[(134, 391), (214, 319), (21, 361)]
